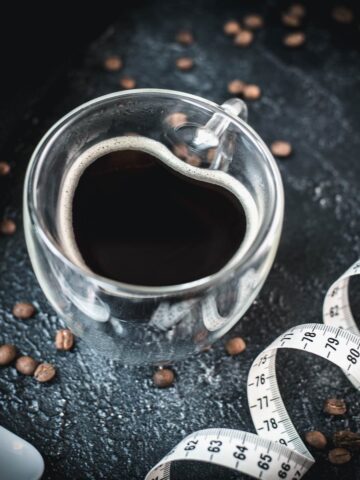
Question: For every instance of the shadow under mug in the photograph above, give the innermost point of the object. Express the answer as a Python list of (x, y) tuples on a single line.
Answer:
[(141, 324)]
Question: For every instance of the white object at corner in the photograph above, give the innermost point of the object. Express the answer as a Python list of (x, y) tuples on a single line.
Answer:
[(19, 460)]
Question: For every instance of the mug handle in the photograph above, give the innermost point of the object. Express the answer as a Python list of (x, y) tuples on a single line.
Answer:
[(213, 134), (236, 107)]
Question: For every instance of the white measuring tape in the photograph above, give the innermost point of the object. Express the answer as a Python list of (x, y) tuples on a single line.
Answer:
[(277, 451)]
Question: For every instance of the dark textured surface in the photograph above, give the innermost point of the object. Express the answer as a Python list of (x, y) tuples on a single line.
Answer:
[(103, 420)]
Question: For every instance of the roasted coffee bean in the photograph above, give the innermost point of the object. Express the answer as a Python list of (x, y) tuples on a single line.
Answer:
[(253, 21), (236, 87), (7, 354), (335, 406), (232, 27), (297, 9), (127, 83), (210, 155), (338, 456), (163, 378), (294, 40), (343, 15), (185, 63), (23, 310), (291, 20), (26, 365), (7, 226), (184, 153), (280, 148), (64, 339), (181, 151), (45, 372), (193, 160), (252, 92), (347, 439), (235, 345), (176, 119), (4, 169), (184, 37), (244, 38), (316, 439), (113, 63)]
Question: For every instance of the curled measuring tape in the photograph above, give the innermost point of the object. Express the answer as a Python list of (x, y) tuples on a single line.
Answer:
[(277, 451)]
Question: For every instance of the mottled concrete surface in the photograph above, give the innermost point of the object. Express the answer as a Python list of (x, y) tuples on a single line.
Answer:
[(103, 420)]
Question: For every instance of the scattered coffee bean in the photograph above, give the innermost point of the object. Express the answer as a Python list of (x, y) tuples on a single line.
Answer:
[(347, 439), (297, 9), (176, 119), (335, 406), (185, 63), (26, 365), (235, 345), (127, 83), (342, 14), (23, 310), (251, 92), (291, 20), (113, 64), (181, 151), (253, 21), (45, 372), (193, 160), (316, 439), (64, 339), (232, 27), (244, 38), (7, 226), (4, 169), (210, 155), (280, 148), (184, 37), (236, 87), (338, 456), (294, 40), (163, 378), (7, 354)]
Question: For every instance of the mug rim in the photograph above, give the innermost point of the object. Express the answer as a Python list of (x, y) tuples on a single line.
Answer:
[(255, 249)]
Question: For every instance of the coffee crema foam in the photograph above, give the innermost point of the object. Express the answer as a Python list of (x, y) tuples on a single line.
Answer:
[(162, 153)]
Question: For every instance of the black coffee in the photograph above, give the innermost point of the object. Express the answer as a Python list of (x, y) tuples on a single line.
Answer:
[(137, 221)]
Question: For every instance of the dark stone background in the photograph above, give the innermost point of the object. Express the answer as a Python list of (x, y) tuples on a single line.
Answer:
[(99, 419)]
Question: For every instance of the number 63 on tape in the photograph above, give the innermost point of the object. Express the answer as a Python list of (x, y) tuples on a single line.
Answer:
[(277, 451)]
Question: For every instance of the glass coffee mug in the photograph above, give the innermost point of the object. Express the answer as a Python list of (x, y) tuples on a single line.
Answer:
[(211, 143)]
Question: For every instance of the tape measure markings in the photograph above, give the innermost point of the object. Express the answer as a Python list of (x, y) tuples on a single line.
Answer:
[(277, 451)]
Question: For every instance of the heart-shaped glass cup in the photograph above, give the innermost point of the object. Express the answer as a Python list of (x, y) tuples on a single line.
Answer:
[(210, 143)]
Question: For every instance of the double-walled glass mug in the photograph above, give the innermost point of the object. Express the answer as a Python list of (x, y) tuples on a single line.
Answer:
[(156, 324)]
